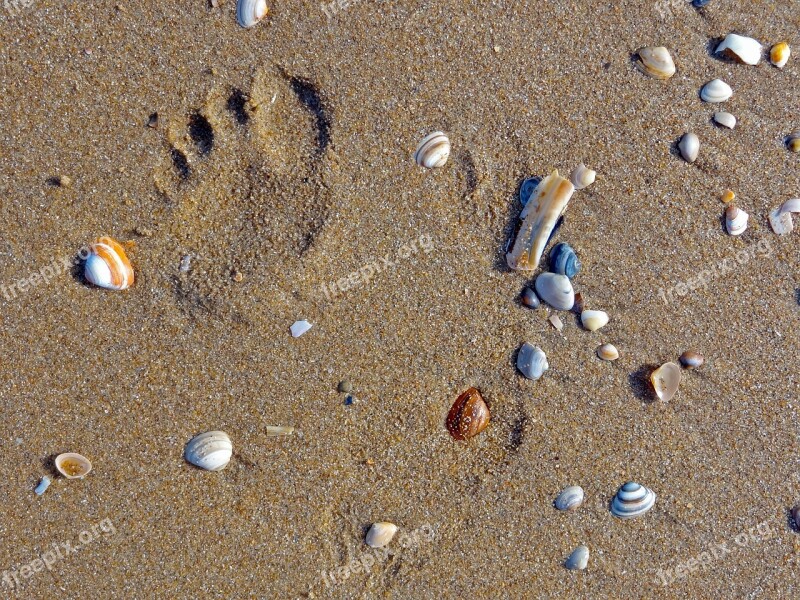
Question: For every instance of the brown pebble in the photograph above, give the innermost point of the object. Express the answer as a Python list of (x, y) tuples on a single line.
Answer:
[(64, 181), (237, 275), (345, 386), (691, 359)]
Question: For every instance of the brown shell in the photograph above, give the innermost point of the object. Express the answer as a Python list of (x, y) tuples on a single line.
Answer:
[(468, 416)]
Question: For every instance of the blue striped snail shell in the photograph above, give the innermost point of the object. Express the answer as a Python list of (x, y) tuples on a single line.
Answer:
[(632, 500), (564, 261)]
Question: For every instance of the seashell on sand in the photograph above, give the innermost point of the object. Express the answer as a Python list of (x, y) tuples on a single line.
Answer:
[(540, 215), (564, 261), (555, 290), (527, 187), (593, 319), (727, 196), (632, 500), (779, 54), (555, 321), (607, 352), (578, 560), (42, 487), (433, 151), (740, 48), (691, 359), (298, 328), (250, 12), (531, 361), (380, 534), (582, 177), (665, 380), (716, 90), (795, 512), (276, 430), (107, 265), (725, 119), (735, 220), (468, 416), (780, 219), (530, 299), (689, 147), (211, 450), (570, 498), (656, 62), (793, 141), (72, 465)]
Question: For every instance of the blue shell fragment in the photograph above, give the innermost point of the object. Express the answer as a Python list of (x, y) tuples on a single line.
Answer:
[(527, 187), (700, 3), (564, 261)]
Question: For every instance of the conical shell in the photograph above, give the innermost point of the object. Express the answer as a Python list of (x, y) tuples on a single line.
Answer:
[(665, 380), (594, 319), (211, 450), (531, 361), (107, 265), (743, 49), (779, 54), (608, 352), (570, 498), (578, 560), (582, 177), (250, 12), (72, 465), (689, 147), (735, 220), (632, 500), (380, 534), (433, 151), (556, 290), (468, 416), (725, 119), (541, 213), (716, 90), (656, 62)]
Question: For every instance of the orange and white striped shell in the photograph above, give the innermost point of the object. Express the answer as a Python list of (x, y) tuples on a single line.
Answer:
[(107, 266)]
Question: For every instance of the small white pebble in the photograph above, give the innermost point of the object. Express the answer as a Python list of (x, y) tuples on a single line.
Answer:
[(299, 328)]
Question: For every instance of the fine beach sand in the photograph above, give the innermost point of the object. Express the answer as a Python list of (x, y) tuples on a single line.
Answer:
[(281, 162)]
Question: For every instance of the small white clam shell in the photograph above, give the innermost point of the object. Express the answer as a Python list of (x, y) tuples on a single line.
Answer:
[(607, 352), (725, 119), (632, 500), (656, 62), (735, 220), (779, 54), (298, 328), (250, 12), (578, 560), (716, 90), (532, 361), (582, 177), (380, 534), (211, 450), (665, 380), (689, 147), (594, 319), (555, 290), (744, 49), (570, 498), (433, 151), (72, 465)]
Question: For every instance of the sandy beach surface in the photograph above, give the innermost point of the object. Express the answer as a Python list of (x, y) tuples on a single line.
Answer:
[(281, 163)]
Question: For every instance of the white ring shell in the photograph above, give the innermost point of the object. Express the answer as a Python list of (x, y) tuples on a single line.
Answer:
[(744, 49), (433, 151), (716, 90), (632, 500), (211, 450), (250, 12), (735, 220), (689, 147)]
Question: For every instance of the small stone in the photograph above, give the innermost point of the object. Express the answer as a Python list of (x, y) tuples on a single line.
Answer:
[(728, 196), (152, 121), (530, 299), (237, 275), (345, 386), (64, 181)]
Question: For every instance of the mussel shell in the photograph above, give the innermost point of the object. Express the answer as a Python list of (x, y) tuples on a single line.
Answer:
[(468, 416), (527, 187), (564, 261), (632, 500), (570, 498), (795, 512), (211, 450)]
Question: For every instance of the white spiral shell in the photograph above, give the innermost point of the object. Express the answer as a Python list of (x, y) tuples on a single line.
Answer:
[(211, 450), (632, 500)]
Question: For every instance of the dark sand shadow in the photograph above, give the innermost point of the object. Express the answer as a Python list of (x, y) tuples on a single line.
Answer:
[(639, 382)]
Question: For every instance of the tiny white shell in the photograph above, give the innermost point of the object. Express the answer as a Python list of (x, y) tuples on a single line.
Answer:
[(250, 12), (716, 90), (298, 328), (211, 450), (656, 62), (779, 54), (532, 361), (689, 147), (607, 352), (665, 380), (725, 119), (72, 465), (735, 220), (594, 319), (380, 534), (744, 49), (582, 177), (570, 498), (578, 560), (433, 151)]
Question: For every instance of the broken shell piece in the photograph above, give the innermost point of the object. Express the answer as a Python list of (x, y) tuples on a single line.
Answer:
[(72, 465), (273, 430), (665, 380), (298, 328), (607, 352), (716, 90), (725, 119), (531, 361), (380, 534), (556, 322), (780, 219), (250, 12), (42, 487), (691, 359), (556, 290), (593, 319), (743, 49), (735, 220), (779, 54), (582, 177), (433, 151), (541, 213), (578, 560), (211, 450), (689, 147), (656, 62), (793, 141), (468, 416)]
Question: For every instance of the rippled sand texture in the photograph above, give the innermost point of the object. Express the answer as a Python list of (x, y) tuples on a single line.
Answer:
[(281, 163)]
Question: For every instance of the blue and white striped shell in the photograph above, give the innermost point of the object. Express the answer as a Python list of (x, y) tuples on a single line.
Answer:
[(250, 12), (632, 500), (564, 261)]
